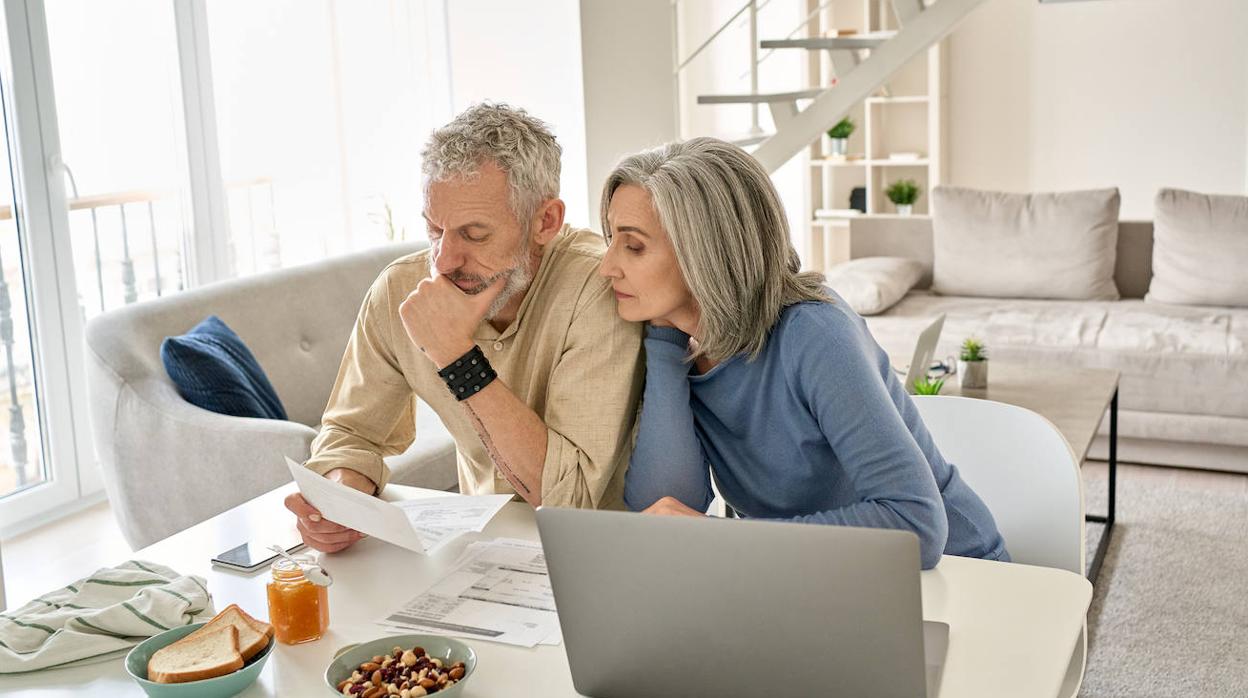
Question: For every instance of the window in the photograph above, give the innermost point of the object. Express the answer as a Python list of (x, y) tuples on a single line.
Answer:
[(119, 103), (22, 462), (155, 145), (322, 109)]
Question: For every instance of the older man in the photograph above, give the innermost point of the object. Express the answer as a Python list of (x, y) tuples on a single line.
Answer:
[(502, 326)]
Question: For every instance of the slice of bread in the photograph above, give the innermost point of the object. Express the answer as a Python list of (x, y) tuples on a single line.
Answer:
[(197, 656), (253, 635)]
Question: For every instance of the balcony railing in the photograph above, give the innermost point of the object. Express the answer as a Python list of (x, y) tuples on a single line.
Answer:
[(134, 240)]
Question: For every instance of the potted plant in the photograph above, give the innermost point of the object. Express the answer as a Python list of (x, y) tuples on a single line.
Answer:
[(838, 136), (924, 386), (973, 364), (903, 193)]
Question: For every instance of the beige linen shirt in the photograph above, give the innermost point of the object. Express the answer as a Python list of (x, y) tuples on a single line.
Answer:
[(568, 355)]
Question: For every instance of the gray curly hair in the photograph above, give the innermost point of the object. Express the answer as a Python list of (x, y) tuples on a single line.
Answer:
[(520, 145)]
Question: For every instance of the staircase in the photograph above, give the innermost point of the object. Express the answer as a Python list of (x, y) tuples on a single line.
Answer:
[(863, 63)]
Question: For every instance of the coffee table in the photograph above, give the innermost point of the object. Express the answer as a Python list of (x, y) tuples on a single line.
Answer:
[(1075, 400)]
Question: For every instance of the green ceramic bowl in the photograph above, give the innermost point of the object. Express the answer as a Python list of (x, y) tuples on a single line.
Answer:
[(219, 687), (449, 650)]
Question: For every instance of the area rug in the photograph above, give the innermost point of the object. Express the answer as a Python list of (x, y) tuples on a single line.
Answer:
[(1169, 615)]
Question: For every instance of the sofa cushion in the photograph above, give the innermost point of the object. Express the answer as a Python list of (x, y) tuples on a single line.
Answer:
[(1177, 359), (872, 285), (212, 368), (1200, 249), (994, 244)]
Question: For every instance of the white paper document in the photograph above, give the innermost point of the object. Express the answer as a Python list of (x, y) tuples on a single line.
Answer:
[(499, 591), (422, 525)]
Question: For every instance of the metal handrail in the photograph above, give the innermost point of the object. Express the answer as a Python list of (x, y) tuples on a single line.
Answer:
[(717, 32), (134, 196), (796, 29)]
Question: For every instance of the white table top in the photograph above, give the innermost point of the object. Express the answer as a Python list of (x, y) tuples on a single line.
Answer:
[(1012, 627)]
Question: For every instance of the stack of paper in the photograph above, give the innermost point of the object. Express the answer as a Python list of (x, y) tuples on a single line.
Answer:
[(422, 525), (499, 591)]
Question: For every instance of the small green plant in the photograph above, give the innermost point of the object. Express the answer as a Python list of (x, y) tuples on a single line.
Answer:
[(923, 386), (974, 350), (843, 129), (903, 192), (385, 218)]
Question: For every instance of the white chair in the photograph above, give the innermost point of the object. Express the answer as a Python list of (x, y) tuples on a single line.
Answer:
[(1027, 475)]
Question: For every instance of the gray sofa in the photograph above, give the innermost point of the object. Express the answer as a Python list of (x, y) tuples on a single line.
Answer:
[(1184, 388), (168, 464)]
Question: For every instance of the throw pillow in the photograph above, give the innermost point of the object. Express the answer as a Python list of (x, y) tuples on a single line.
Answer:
[(999, 245), (1200, 249), (213, 369), (871, 285)]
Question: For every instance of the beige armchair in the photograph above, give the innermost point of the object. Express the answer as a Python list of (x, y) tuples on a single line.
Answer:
[(168, 464)]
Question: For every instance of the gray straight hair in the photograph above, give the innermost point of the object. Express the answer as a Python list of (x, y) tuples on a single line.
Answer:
[(520, 145), (731, 237)]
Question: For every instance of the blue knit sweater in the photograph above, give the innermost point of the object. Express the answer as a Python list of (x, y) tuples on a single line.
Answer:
[(816, 429)]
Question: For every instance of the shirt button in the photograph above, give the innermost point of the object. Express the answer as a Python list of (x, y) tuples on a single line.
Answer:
[(305, 344), (498, 346)]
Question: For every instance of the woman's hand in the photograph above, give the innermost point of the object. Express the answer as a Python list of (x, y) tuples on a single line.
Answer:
[(670, 506)]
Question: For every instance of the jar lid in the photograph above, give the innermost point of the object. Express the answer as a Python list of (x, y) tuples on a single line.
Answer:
[(285, 569), (305, 568)]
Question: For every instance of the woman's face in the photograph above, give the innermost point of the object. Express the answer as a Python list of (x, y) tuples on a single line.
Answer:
[(641, 263)]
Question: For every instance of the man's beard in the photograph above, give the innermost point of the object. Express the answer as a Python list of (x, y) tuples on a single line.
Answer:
[(515, 280)]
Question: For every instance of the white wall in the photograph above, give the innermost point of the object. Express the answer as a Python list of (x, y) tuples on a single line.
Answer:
[(1138, 94), (527, 54), (629, 91)]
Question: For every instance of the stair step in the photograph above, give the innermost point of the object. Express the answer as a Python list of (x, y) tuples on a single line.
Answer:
[(832, 43), (744, 140), (761, 98)]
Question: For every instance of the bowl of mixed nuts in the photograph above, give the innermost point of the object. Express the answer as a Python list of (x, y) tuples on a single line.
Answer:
[(405, 666)]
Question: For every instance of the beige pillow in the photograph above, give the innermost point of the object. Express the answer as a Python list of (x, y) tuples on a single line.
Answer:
[(1200, 249), (871, 285), (1001, 245)]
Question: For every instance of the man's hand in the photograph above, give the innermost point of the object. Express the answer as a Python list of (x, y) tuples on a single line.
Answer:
[(440, 318), (670, 506), (322, 535)]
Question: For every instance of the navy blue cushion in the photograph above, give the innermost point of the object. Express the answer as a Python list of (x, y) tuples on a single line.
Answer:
[(213, 369)]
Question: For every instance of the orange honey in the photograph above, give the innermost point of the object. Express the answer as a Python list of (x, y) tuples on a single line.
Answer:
[(298, 609)]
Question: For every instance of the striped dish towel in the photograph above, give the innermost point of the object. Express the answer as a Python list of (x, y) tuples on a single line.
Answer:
[(112, 610)]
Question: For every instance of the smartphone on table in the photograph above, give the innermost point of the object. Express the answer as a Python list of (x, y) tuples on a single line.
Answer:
[(255, 554)]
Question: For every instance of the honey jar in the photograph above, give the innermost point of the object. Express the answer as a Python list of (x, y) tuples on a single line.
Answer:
[(298, 609)]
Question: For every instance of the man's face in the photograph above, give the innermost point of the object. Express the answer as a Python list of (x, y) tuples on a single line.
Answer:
[(475, 238)]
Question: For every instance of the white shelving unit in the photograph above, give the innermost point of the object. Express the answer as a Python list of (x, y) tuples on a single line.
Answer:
[(906, 116)]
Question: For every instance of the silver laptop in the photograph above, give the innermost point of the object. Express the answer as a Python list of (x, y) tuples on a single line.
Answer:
[(682, 606), (924, 349)]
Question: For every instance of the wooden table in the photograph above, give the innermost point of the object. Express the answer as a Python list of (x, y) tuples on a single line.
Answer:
[(1075, 400), (1012, 627)]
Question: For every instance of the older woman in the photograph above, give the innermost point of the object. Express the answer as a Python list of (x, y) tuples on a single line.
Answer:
[(758, 374)]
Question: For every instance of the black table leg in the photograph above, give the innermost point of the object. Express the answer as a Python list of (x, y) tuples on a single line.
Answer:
[(1099, 557)]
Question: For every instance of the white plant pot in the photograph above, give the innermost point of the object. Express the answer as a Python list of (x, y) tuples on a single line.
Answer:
[(974, 374), (905, 209), (838, 148)]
